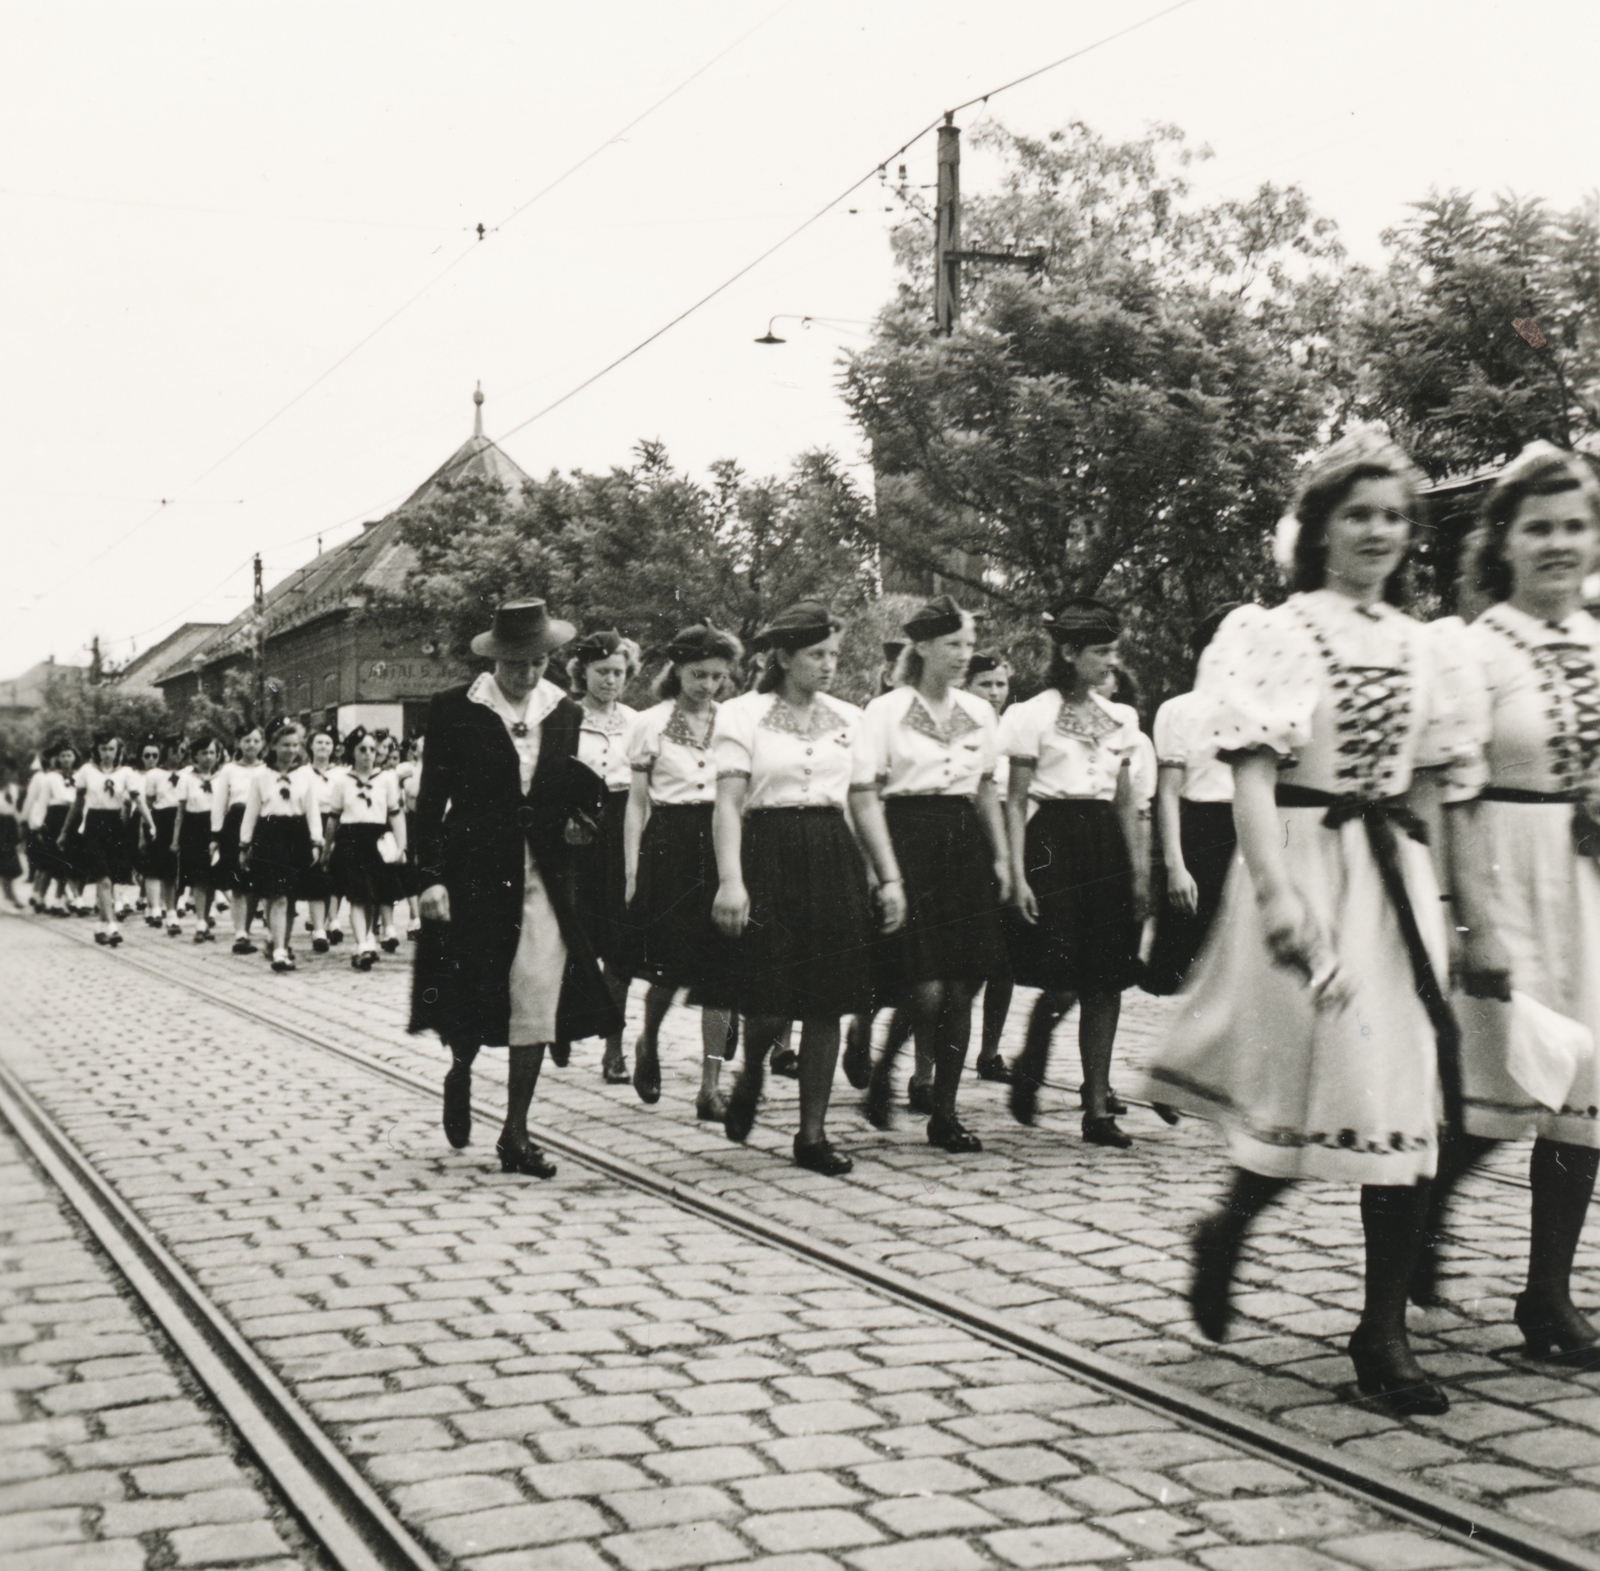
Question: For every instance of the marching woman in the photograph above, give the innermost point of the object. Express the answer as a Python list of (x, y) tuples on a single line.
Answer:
[(1194, 807), (191, 834), (10, 833), (44, 811), (158, 856), (1315, 1029), (502, 959), (989, 676), (792, 888), (317, 777), (281, 835), (95, 836), (600, 669), (230, 790), (1073, 809), (1526, 884), (366, 841), (924, 804), (671, 859)]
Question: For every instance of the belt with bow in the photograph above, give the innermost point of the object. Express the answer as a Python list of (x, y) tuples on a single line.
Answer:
[(1381, 817)]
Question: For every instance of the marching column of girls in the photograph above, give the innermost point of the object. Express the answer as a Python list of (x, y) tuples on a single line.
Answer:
[(94, 839), (367, 841), (280, 835), (671, 860)]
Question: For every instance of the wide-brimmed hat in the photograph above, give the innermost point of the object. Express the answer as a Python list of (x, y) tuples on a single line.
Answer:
[(523, 630)]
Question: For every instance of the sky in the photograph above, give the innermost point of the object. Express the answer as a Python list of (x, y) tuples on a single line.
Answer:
[(246, 304)]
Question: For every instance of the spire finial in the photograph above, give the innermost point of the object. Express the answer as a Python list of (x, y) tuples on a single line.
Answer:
[(477, 413)]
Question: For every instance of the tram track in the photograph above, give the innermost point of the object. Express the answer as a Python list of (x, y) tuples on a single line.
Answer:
[(356, 1528)]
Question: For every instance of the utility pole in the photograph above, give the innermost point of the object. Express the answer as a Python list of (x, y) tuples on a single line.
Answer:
[(258, 659)]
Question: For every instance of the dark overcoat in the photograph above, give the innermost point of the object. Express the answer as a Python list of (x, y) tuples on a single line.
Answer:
[(472, 821)]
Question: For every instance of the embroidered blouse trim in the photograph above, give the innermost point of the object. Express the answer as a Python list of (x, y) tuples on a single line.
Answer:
[(677, 730), (919, 718), (816, 721), (1571, 688), (1086, 722), (608, 723)]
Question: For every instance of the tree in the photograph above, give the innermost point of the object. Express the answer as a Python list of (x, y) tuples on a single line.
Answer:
[(1483, 332), (1127, 424)]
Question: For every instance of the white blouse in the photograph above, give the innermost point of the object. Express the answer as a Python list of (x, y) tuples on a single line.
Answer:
[(275, 795), (522, 723), (105, 792), (1183, 739), (663, 749), (904, 751), (1541, 688), (603, 744), (369, 801), (1351, 699), (49, 788), (230, 786), (790, 760), (1074, 752), (320, 782), (163, 788), (197, 793)]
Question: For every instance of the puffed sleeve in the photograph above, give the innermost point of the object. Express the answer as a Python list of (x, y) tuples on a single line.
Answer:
[(1170, 734), (1142, 768), (1018, 736), (869, 763), (81, 778), (644, 740), (1262, 682), (1455, 731), (733, 740)]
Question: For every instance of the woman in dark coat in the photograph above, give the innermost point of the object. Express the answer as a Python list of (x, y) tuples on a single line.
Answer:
[(502, 958)]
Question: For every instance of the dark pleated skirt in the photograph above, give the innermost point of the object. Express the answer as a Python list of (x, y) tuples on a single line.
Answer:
[(806, 953), (360, 875), (1209, 845), (194, 852), (100, 847), (952, 929), (280, 858), (225, 873), (670, 938), (1087, 937), (156, 857), (45, 856), (10, 839), (600, 881), (317, 884)]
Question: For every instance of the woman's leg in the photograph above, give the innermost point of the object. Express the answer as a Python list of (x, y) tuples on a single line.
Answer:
[(819, 1057), (278, 924), (1030, 1068), (1562, 1177), (952, 1038), (1097, 1036), (361, 922), (714, 1027), (518, 1154), (761, 1033), (617, 986), (202, 897), (996, 1006), (1217, 1242), (1392, 1218), (1458, 1155), (239, 909)]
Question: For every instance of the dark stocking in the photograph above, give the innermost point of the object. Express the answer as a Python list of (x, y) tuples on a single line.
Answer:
[(819, 1054), (657, 1001), (1458, 1155), (1391, 1217), (1562, 1177), (1097, 1035), (951, 1040), (1217, 1242), (996, 1006), (522, 1075)]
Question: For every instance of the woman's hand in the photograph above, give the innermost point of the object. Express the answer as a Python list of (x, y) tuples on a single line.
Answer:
[(1141, 895), (1002, 879), (434, 903), (1296, 940), (1484, 967), (630, 887), (1183, 893), (891, 906), (1026, 902), (731, 909)]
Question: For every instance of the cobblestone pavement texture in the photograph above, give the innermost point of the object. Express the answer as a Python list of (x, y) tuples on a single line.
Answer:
[(578, 1375)]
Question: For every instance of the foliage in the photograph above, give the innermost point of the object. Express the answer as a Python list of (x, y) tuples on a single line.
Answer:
[(79, 711), (1128, 423)]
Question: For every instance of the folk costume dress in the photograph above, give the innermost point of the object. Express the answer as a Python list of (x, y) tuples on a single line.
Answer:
[(502, 797), (319, 781), (805, 953), (671, 939), (928, 773), (283, 827), (599, 869), (1206, 837), (100, 849), (162, 793), (361, 875), (1351, 700), (197, 795), (230, 791), (1542, 685), (1075, 855)]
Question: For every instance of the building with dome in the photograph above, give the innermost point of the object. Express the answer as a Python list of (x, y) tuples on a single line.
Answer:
[(329, 659)]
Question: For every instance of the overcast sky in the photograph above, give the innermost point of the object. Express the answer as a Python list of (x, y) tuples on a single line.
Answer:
[(204, 208)]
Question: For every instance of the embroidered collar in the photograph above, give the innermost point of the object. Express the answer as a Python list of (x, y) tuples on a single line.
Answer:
[(919, 718), (817, 720), (1087, 722), (544, 698), (677, 729), (611, 722)]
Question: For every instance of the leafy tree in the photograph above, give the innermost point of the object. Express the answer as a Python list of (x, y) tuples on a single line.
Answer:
[(80, 710), (1126, 424)]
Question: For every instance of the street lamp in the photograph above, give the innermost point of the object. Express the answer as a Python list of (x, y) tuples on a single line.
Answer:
[(769, 337)]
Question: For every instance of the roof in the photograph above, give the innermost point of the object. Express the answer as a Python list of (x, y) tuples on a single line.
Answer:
[(29, 690), (375, 561), (143, 673)]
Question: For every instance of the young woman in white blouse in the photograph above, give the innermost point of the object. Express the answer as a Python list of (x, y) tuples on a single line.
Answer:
[(230, 790), (671, 858), (280, 838), (1526, 880), (191, 831), (1194, 807), (158, 862), (1073, 809), (44, 814), (792, 886), (924, 803), (601, 666), (95, 834), (989, 677), (366, 841), (1315, 1029), (318, 775)]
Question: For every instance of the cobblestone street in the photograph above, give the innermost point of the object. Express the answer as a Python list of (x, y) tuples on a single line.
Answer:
[(577, 1374)]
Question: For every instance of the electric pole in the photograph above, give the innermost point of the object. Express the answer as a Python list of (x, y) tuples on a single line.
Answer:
[(259, 650)]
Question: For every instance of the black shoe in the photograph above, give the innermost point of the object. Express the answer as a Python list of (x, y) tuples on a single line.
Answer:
[(821, 1158), (919, 1097), (319, 946), (857, 1056), (995, 1068), (1115, 1106), (877, 1106), (614, 1071), (711, 1107), (950, 1135), (243, 946), (390, 945), (1167, 1115), (786, 1063), (560, 1054), (1024, 1097), (102, 938), (739, 1117), (1545, 1326), (335, 935), (647, 1076), (1391, 1372), (362, 960), (1216, 1256), (526, 1159), (458, 1104), (1104, 1132), (202, 936)]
